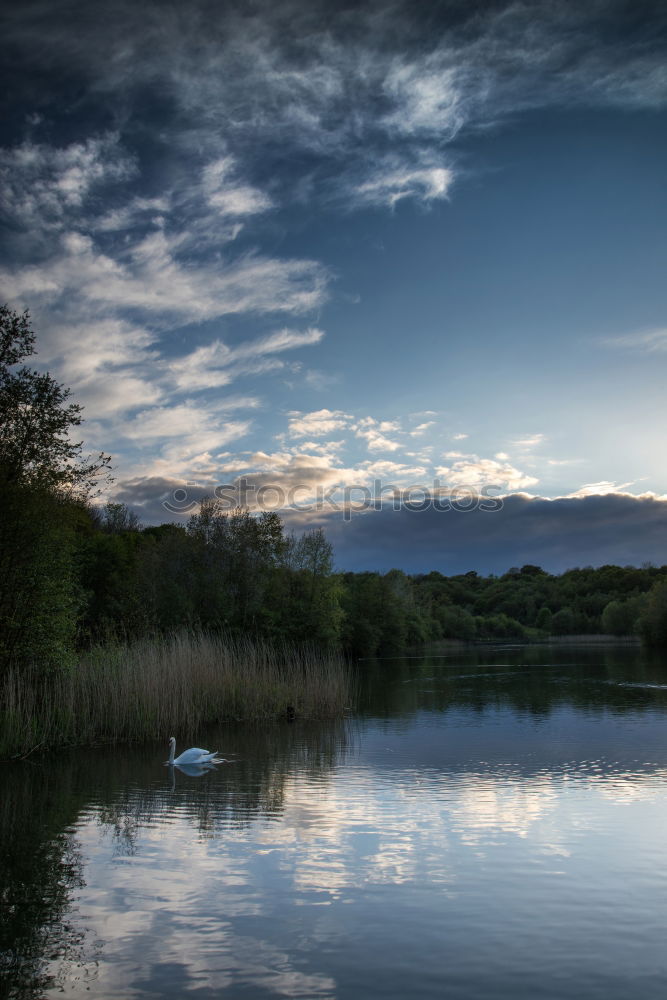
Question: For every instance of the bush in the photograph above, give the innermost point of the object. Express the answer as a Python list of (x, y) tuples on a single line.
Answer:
[(622, 617), (653, 622)]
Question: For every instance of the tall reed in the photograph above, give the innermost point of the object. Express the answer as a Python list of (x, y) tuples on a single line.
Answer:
[(154, 687)]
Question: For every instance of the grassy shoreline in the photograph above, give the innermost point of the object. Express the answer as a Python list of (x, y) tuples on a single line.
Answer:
[(153, 687)]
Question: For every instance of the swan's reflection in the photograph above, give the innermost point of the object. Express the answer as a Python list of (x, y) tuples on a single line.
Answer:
[(192, 770)]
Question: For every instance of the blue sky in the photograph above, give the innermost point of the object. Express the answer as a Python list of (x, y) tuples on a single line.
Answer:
[(335, 245)]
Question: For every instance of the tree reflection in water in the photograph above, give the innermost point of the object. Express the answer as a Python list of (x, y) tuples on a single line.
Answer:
[(40, 870), (125, 789)]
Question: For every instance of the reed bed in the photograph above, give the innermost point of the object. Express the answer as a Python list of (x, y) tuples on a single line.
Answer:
[(151, 688)]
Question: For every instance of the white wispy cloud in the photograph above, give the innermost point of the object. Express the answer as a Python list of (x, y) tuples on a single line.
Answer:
[(83, 348), (426, 95), (152, 279), (113, 393), (644, 341), (375, 434), (421, 428), (331, 449), (216, 364), (318, 423), (42, 185), (529, 441), (602, 488), (378, 442), (475, 472), (185, 420), (134, 213), (229, 197), (393, 472), (281, 340), (394, 182), (319, 380), (183, 440)]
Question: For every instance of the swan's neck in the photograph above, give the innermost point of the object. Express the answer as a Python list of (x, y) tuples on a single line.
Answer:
[(172, 748)]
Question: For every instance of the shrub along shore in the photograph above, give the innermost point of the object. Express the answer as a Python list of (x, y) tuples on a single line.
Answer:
[(152, 688)]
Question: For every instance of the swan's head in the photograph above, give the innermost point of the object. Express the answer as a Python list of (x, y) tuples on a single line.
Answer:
[(172, 741)]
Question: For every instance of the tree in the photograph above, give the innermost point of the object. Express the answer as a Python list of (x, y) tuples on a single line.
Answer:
[(36, 419), (118, 517), (457, 623), (563, 622), (544, 620), (309, 596), (45, 482), (622, 617), (238, 556), (653, 623)]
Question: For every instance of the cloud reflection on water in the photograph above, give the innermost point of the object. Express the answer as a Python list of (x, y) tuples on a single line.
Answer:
[(254, 905)]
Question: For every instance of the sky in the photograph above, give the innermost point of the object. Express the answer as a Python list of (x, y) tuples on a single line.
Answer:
[(324, 253)]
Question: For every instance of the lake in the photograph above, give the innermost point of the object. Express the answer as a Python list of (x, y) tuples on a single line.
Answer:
[(490, 823)]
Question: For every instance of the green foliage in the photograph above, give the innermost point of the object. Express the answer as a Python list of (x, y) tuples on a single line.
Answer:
[(499, 626), (243, 573), (653, 622), (108, 568), (457, 623), (36, 419), (377, 612), (563, 622), (230, 571), (44, 481), (305, 601), (386, 614), (544, 620), (237, 555), (37, 585), (622, 617)]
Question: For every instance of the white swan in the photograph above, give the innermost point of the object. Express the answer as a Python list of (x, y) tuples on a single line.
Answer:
[(195, 755)]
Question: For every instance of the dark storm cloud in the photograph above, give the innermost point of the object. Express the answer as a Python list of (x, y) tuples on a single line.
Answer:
[(555, 534), (159, 500)]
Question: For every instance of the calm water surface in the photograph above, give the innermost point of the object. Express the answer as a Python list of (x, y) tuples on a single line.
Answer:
[(491, 824)]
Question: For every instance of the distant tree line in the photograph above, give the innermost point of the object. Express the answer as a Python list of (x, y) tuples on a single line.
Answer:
[(523, 603), (74, 574)]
